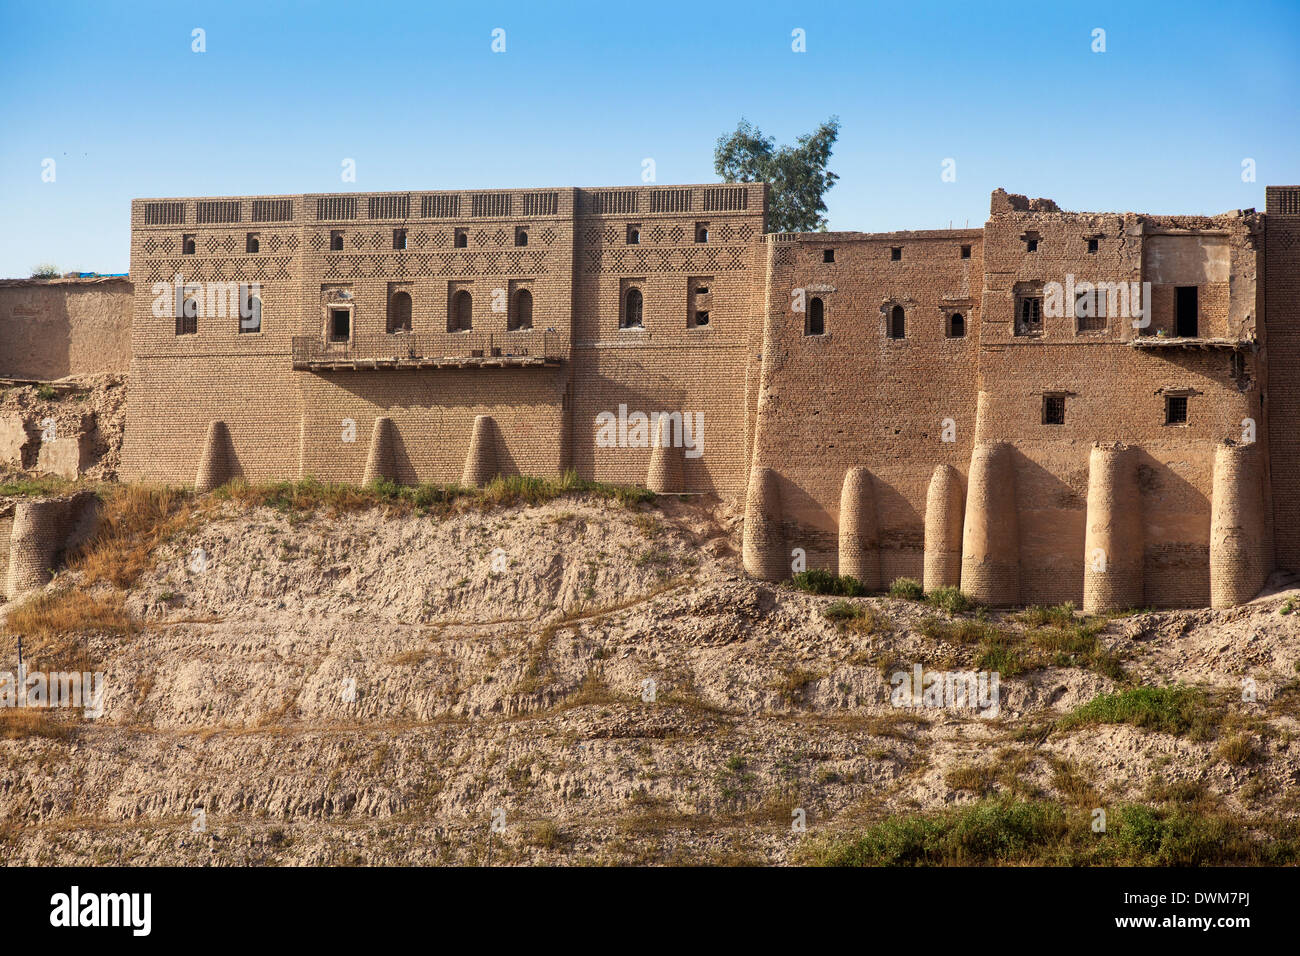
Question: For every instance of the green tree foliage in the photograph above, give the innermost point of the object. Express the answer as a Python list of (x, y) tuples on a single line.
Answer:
[(797, 175)]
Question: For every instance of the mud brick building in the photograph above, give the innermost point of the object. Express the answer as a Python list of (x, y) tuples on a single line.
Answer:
[(1094, 407)]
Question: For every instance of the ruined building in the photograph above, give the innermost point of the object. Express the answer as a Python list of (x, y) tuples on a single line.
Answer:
[(1094, 407)]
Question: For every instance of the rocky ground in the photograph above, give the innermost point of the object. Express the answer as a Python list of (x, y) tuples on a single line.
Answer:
[(372, 687), (91, 405)]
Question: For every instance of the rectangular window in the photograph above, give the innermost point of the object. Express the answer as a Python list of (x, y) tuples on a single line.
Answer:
[(336, 240), (1053, 409), (252, 243), (701, 232), (828, 255), (1186, 319), (1029, 315), (1090, 311), (965, 252), (340, 325), (701, 302), (895, 253), (1092, 246), (1175, 409), (1031, 245), (399, 238)]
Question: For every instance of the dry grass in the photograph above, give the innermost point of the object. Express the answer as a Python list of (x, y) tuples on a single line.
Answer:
[(20, 723), (55, 613), (134, 522)]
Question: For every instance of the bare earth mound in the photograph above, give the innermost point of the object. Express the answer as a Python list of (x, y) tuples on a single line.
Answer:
[(600, 681)]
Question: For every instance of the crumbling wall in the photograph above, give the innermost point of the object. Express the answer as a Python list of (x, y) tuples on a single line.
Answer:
[(58, 327), (41, 532)]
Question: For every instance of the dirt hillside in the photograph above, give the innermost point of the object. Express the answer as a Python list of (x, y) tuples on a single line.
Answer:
[(373, 687)]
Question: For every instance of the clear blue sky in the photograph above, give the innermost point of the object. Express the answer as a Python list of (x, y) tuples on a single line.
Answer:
[(1160, 122)]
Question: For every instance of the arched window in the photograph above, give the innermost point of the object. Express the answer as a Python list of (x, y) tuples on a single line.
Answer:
[(462, 312), (632, 318), (521, 237), (461, 239), (187, 245), (522, 314), (336, 241), (956, 326), (399, 312), (816, 323), (897, 323)]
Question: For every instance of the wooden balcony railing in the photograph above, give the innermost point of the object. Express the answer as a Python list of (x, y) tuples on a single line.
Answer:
[(429, 350)]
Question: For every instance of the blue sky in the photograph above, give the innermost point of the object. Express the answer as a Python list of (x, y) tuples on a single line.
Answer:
[(112, 92)]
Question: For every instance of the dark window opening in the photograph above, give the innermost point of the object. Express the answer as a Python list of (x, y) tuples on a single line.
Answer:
[(816, 322), (895, 253), (461, 239), (828, 255), (336, 241), (632, 310), (633, 235), (187, 245), (399, 239), (701, 232), (702, 317), (187, 323), (522, 316), (1029, 315), (956, 326), (1031, 245), (521, 237), (1092, 246), (1238, 366), (462, 312), (1090, 311), (340, 325), (965, 252), (250, 312), (1175, 409), (1053, 409), (399, 312), (897, 323), (1186, 322), (252, 244)]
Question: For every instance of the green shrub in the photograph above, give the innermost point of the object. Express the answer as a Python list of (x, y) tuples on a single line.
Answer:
[(908, 588), (1179, 710), (819, 581), (950, 599)]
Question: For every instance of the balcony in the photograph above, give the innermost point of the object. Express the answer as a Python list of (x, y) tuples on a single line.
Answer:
[(1192, 342), (429, 350)]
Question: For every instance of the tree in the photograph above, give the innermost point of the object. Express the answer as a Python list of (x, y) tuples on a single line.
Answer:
[(797, 175), (45, 271)]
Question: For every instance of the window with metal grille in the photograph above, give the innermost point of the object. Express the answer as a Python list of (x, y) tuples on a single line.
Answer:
[(815, 323), (1175, 409), (1090, 311), (1029, 315), (1053, 409)]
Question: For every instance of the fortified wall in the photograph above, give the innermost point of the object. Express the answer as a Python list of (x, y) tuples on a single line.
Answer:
[(1058, 406), (52, 328)]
